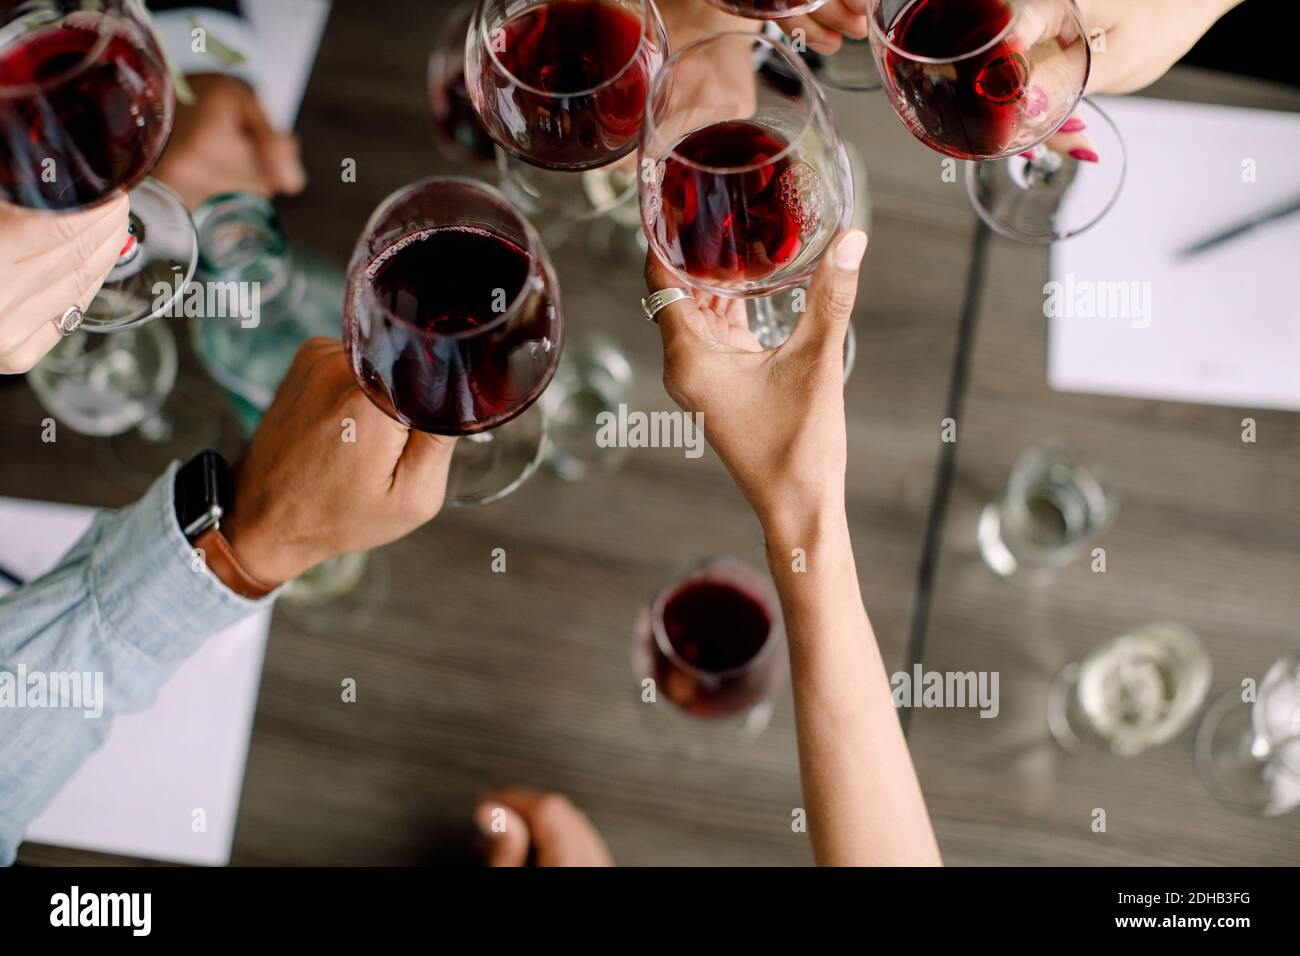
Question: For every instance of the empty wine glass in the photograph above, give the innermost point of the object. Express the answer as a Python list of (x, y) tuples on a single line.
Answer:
[(1133, 692), (1248, 751), (452, 323), (86, 107), (709, 653), (745, 180)]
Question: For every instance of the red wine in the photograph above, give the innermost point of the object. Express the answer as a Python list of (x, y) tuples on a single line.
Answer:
[(573, 91), (969, 108), (437, 353), (89, 99), (717, 632), (720, 227)]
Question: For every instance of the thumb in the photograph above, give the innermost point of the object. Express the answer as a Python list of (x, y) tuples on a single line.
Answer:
[(505, 834), (422, 469), (281, 165), (831, 296)]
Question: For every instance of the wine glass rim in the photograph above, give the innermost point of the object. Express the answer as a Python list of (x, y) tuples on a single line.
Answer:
[(650, 17), (112, 10), (539, 268), (816, 104), (699, 569), (878, 32)]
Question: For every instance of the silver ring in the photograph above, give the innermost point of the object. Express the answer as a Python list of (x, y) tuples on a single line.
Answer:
[(656, 302), (69, 321)]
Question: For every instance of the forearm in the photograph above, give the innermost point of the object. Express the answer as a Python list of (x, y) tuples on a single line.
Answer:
[(864, 803), (108, 625)]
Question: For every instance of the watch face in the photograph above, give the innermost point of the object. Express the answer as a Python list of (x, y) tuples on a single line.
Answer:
[(202, 489)]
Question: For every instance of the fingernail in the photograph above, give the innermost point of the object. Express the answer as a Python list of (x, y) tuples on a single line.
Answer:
[(1073, 125), (1029, 154), (851, 250), (1084, 155)]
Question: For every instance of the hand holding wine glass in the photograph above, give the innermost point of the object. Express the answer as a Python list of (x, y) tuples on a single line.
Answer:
[(224, 143), (775, 417), (328, 473), (49, 263)]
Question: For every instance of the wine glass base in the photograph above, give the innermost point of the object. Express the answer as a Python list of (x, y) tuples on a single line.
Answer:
[(151, 279), (1052, 196), (490, 465), (181, 429), (1239, 768), (343, 593)]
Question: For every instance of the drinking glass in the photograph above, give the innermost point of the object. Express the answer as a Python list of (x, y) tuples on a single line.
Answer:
[(562, 84), (745, 180), (1054, 506), (710, 655), (594, 377), (1248, 753), (452, 323), (86, 107), (1133, 692), (460, 136), (991, 81)]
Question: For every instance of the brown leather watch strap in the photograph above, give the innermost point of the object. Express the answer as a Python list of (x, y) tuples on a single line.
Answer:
[(221, 561)]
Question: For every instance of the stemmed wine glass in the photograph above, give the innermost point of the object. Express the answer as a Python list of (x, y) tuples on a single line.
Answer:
[(991, 81), (86, 107), (452, 323), (561, 86), (709, 653), (744, 178)]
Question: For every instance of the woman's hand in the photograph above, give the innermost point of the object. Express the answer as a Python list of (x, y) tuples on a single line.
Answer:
[(825, 28), (515, 822), (49, 262), (775, 418)]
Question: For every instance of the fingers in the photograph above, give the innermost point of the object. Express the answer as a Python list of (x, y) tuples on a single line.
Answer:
[(24, 358), (74, 282), (36, 271), (1072, 140), (838, 16), (822, 39), (421, 472), (562, 834), (505, 833), (677, 322), (831, 296), (281, 164), (32, 233)]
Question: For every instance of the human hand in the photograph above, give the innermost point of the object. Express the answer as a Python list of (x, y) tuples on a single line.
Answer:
[(826, 27), (559, 834), (224, 143), (49, 262), (775, 418), (303, 494)]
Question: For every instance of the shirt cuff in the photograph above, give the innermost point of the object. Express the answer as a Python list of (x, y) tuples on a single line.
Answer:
[(226, 44), (150, 587)]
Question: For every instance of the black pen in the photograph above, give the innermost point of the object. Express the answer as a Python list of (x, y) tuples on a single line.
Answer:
[(1280, 212)]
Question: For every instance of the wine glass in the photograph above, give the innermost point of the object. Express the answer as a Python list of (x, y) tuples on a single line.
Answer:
[(709, 653), (1248, 753), (991, 81), (562, 84), (86, 107), (452, 323), (744, 178), (457, 130)]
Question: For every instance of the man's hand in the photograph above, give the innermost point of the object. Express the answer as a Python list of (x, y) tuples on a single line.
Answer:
[(224, 143), (49, 262), (304, 494), (775, 418), (559, 834)]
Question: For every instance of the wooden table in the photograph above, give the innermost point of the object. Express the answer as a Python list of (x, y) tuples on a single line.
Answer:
[(470, 679)]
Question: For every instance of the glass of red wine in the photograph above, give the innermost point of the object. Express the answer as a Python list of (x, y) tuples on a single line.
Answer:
[(86, 107), (709, 653), (452, 324), (991, 81), (744, 178), (460, 136)]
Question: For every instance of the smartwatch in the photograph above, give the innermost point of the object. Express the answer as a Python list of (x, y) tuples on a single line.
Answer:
[(202, 494)]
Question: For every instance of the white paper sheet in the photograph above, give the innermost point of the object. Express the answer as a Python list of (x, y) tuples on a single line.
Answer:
[(288, 35), (1225, 325), (137, 794)]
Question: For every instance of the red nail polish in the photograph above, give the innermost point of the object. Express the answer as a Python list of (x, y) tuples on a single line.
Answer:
[(1073, 125), (1084, 155), (130, 244), (1029, 154)]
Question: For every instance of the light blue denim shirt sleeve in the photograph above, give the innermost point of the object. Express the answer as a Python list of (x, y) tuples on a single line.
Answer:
[(128, 602)]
